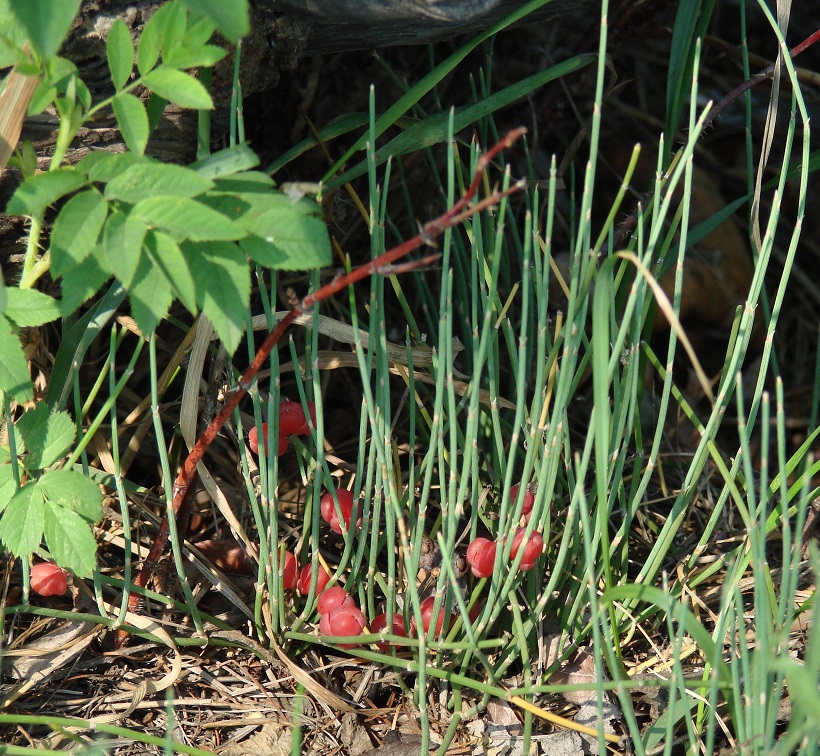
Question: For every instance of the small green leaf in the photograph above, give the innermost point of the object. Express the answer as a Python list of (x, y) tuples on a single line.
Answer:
[(105, 166), (69, 539), (122, 241), (228, 163), (272, 256), (35, 194), (230, 18), (188, 218), (193, 57), (180, 88), (14, 377), (146, 180), (43, 96), (13, 38), (247, 181), (172, 19), (169, 258), (73, 490), (46, 22), (120, 51), (21, 527), (150, 295), (45, 437), (28, 307), (149, 46), (155, 107), (198, 33), (223, 287), (7, 485), (81, 283), (132, 120), (297, 234), (76, 230)]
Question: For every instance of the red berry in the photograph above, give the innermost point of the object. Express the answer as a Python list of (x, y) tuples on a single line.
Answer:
[(344, 620), (47, 579), (306, 575), (529, 500), (333, 598), (292, 420), (290, 570), (427, 607), (532, 547), (253, 440), (253, 437), (379, 623), (330, 515), (481, 557)]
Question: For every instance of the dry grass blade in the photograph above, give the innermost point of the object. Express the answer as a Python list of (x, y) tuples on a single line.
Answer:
[(35, 663), (14, 101)]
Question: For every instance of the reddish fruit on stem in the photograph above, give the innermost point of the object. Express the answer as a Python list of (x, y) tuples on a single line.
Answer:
[(48, 579), (292, 420), (290, 570), (481, 557), (532, 546), (306, 575), (427, 618), (379, 623), (333, 598), (330, 515), (253, 440), (344, 620), (529, 500)]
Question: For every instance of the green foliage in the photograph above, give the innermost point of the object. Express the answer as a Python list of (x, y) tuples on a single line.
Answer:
[(46, 23), (163, 232), (60, 504)]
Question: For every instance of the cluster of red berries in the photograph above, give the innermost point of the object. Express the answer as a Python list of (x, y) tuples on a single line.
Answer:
[(481, 552), (292, 422)]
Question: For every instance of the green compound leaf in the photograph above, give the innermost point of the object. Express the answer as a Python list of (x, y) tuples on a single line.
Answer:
[(69, 539), (180, 88), (35, 194), (132, 120), (76, 230), (120, 52), (45, 437), (21, 527), (230, 18), (223, 287), (145, 180), (72, 490), (27, 307), (14, 376), (188, 218), (46, 22), (150, 295)]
